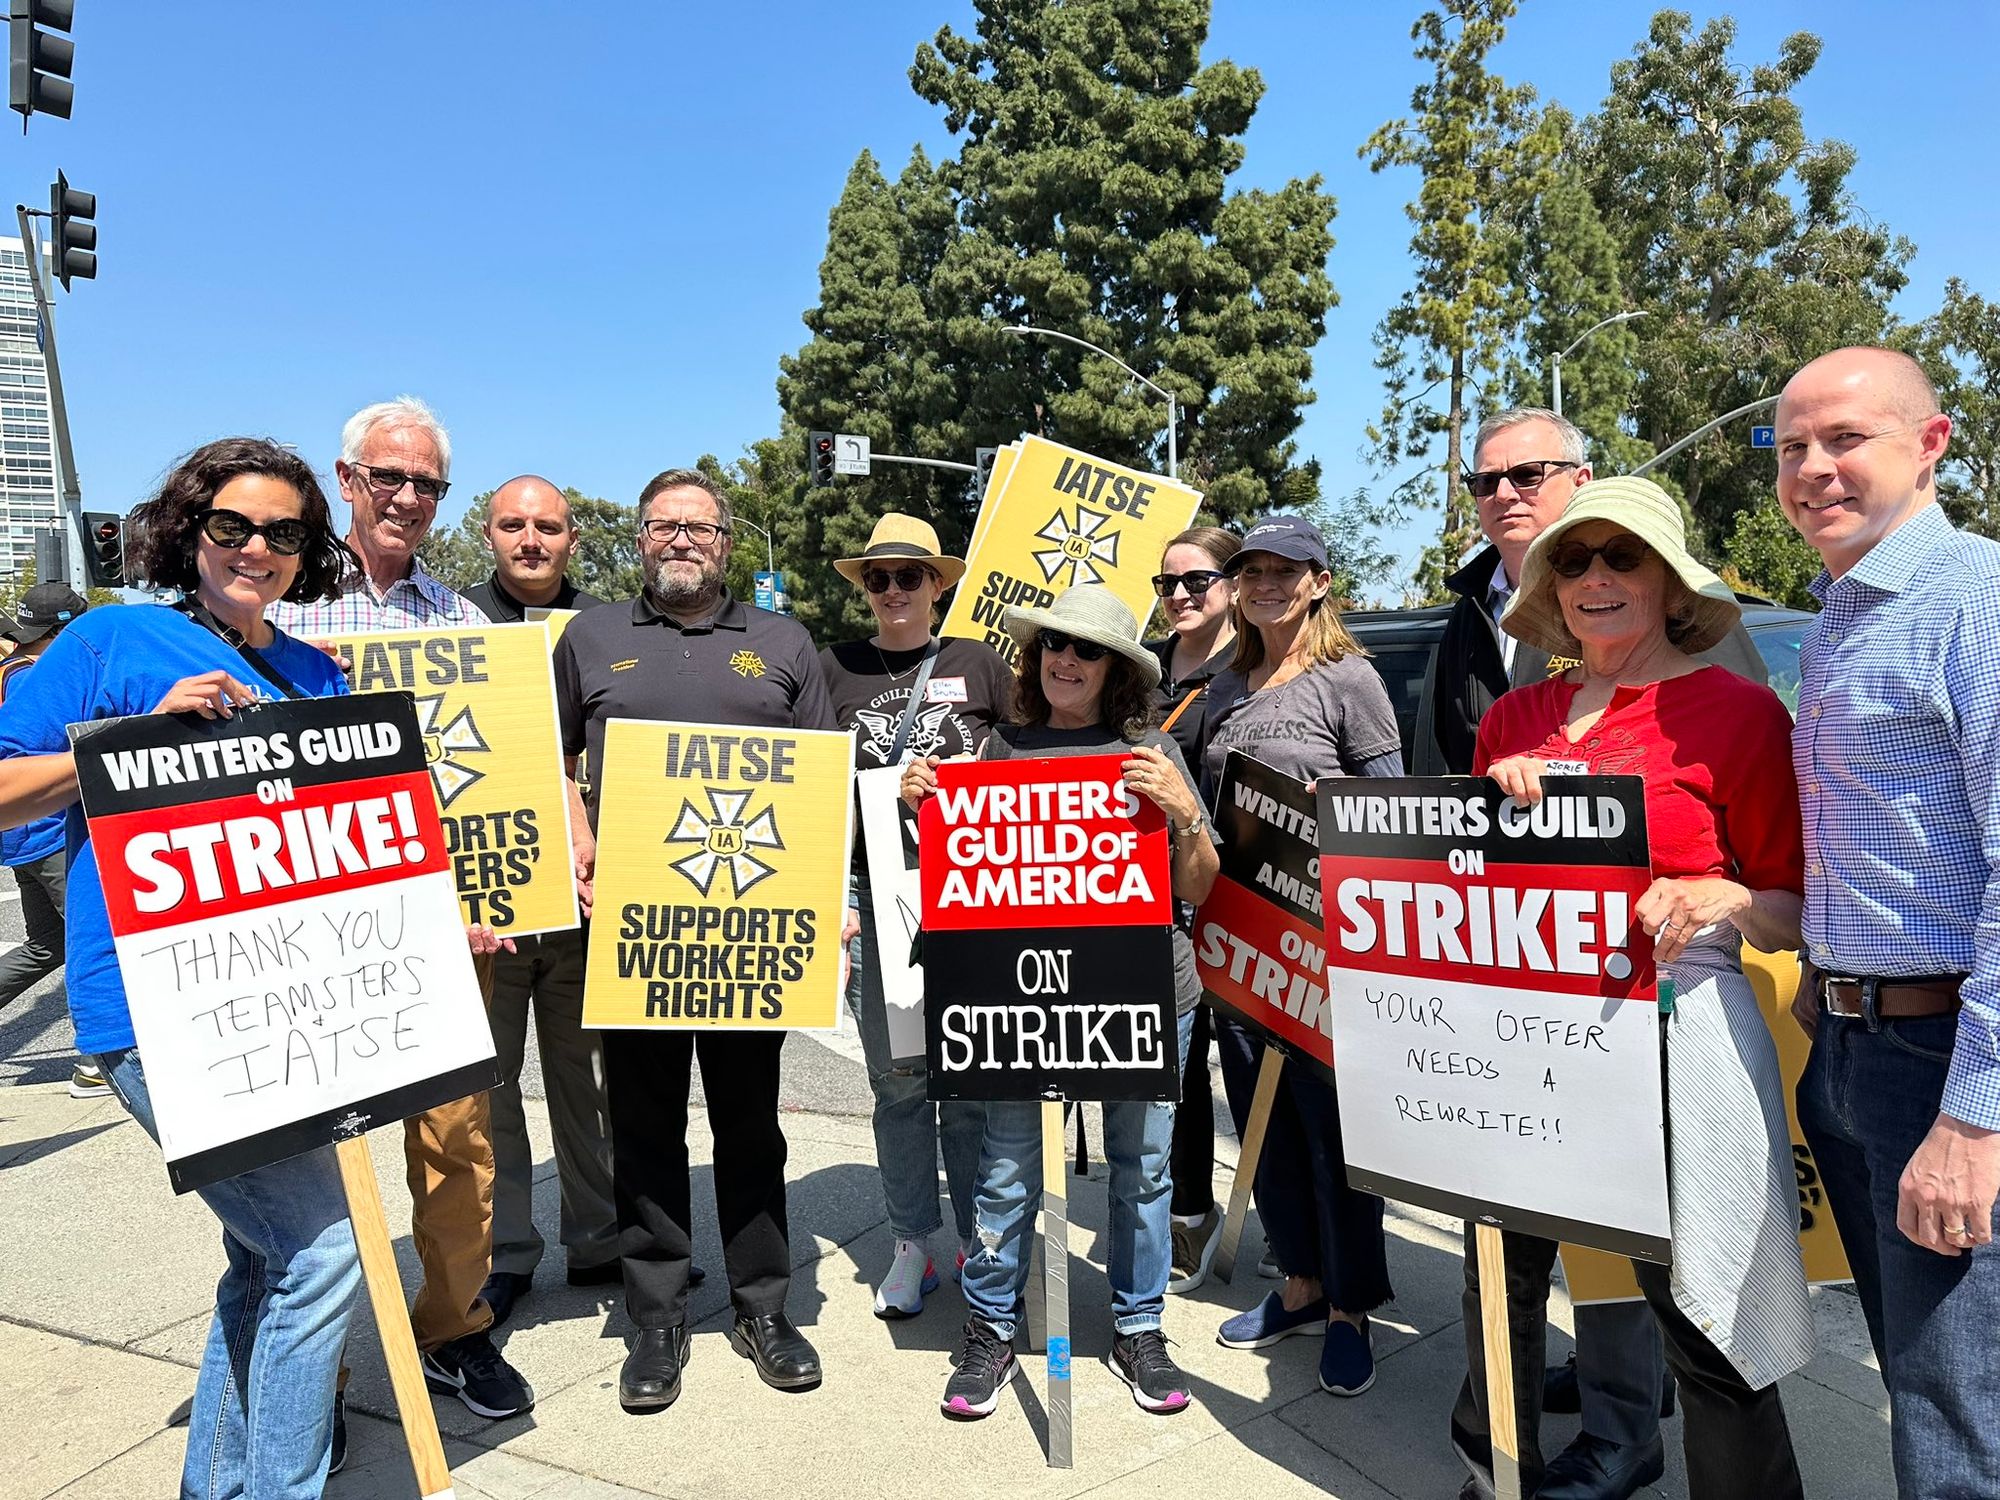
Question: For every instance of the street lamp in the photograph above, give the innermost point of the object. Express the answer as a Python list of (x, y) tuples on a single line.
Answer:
[(1578, 341), (1022, 330)]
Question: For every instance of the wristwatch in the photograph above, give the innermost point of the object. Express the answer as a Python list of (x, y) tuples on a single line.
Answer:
[(1178, 833)]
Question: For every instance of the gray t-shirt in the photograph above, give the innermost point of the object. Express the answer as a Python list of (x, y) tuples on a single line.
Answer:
[(1330, 720), (1037, 741)]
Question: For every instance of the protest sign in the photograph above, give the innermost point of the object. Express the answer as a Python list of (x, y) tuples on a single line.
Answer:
[(1063, 517), (1048, 916), (1494, 1007), (721, 883), (485, 698), (555, 621), (996, 482), (281, 903), (889, 840), (1258, 942)]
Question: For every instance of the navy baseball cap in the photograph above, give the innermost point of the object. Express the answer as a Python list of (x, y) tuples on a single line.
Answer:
[(1283, 536), (44, 608)]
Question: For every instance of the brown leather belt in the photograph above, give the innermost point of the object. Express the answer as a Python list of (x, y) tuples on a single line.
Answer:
[(1894, 999)]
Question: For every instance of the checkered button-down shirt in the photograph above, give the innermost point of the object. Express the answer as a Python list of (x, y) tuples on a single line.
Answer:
[(410, 603), (1897, 749)]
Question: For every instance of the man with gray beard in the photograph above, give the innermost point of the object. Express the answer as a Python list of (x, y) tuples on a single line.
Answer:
[(685, 651)]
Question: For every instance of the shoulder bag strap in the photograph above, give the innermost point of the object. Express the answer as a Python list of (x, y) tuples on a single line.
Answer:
[(256, 662), (916, 697)]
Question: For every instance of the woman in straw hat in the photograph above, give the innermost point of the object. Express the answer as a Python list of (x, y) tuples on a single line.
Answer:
[(905, 693), (1612, 583), (1300, 696), (1084, 686)]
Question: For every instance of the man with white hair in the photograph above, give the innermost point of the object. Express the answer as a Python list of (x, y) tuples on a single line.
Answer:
[(394, 467)]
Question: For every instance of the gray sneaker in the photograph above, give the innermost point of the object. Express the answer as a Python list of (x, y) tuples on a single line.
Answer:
[(87, 1083), (1194, 1250)]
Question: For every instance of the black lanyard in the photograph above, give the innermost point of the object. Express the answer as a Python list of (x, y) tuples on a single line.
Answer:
[(234, 637)]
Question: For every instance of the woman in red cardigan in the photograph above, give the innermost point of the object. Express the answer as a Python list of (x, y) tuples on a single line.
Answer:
[(1612, 586)]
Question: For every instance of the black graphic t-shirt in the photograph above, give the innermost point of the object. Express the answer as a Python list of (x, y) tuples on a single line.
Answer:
[(968, 693)]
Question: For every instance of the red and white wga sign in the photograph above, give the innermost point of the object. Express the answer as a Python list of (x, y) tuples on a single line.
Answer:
[(1048, 921), (286, 924), (1495, 1007)]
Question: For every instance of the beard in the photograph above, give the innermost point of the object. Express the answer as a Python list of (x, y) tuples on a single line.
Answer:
[(680, 592)]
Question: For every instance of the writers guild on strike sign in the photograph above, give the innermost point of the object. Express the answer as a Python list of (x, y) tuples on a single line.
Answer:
[(280, 902)]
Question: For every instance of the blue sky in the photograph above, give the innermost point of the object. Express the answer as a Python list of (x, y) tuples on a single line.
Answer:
[(587, 233)]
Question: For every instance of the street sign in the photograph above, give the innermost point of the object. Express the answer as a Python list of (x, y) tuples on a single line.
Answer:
[(770, 592), (850, 455), (1763, 437)]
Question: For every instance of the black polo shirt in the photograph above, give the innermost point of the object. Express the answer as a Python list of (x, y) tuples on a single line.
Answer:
[(502, 608), (743, 666)]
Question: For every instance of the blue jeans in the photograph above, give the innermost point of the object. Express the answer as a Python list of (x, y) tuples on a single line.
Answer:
[(1867, 1099), (1138, 1147), (908, 1126), (262, 1422)]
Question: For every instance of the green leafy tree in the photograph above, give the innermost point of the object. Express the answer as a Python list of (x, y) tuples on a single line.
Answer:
[(1484, 155), (605, 563), (1960, 345), (1737, 235), (1765, 554)]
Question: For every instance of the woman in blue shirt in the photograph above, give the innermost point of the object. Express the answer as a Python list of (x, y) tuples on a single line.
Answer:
[(238, 524)]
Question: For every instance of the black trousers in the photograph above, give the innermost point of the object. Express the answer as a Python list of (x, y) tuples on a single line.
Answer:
[(1737, 1442), (1194, 1126), (647, 1075)]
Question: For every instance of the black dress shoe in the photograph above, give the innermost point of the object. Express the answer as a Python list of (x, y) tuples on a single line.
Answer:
[(651, 1377), (502, 1290), (783, 1357), (1563, 1396), (1593, 1469)]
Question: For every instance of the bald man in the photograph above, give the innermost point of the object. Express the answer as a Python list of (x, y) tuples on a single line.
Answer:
[(532, 534), (1897, 748)]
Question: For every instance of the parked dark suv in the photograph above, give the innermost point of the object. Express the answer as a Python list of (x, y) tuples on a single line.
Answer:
[(1402, 642)]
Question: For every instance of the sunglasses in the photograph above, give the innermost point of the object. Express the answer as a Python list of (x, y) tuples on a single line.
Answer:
[(1197, 583), (388, 483), (1621, 555), (227, 528), (1485, 483), (1054, 643), (909, 580)]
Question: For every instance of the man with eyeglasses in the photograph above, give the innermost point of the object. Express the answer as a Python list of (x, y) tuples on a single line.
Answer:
[(395, 459), (686, 651), (1527, 463)]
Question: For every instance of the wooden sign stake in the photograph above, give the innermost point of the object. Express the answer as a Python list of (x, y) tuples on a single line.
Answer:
[(392, 1318), (1501, 1423), (1246, 1161), (1055, 1283)]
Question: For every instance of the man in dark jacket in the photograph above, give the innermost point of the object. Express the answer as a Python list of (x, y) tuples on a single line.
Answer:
[(1527, 464)]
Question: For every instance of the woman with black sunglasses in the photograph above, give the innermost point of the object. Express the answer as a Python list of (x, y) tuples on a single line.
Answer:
[(238, 524), (904, 693), (1084, 686)]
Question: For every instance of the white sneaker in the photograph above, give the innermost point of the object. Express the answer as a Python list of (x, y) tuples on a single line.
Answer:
[(1194, 1250), (911, 1278), (1268, 1267)]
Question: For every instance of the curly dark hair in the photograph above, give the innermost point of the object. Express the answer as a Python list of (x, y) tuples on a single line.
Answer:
[(1127, 707), (162, 532)]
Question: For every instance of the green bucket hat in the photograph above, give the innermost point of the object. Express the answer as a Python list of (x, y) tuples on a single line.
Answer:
[(1090, 612), (1649, 513)]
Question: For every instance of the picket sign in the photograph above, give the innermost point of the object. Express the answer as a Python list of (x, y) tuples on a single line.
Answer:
[(1238, 1213), (1501, 1423)]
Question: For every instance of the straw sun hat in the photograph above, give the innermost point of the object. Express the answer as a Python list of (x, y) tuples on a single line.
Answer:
[(899, 539), (1090, 612), (1649, 513)]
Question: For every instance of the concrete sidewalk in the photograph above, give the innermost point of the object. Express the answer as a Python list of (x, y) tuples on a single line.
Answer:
[(109, 1280)]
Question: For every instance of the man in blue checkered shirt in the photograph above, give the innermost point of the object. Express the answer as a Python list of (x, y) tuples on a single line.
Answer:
[(1897, 749)]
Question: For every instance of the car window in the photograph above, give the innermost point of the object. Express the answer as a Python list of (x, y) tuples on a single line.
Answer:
[(1778, 643), (1403, 668)]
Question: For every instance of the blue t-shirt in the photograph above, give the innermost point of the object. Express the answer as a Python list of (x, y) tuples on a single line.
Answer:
[(118, 660), (37, 840)]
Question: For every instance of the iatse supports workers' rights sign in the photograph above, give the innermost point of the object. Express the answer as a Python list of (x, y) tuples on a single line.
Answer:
[(721, 877), (1047, 916)]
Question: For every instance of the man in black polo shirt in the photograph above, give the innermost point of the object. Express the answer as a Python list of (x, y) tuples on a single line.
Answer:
[(532, 534), (685, 651)]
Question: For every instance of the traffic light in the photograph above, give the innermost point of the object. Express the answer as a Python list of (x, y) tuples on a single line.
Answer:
[(39, 64), (982, 464), (73, 239), (104, 549), (819, 459)]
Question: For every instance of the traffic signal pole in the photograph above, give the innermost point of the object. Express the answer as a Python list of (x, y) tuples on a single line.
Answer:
[(71, 506)]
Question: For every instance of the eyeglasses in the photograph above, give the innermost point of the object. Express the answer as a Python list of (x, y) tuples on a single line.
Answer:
[(1485, 483), (909, 580), (227, 528), (701, 533), (1197, 583), (386, 484), (1054, 643), (1621, 554)]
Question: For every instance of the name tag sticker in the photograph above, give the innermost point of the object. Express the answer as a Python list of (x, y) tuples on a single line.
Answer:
[(945, 690), (1567, 767)]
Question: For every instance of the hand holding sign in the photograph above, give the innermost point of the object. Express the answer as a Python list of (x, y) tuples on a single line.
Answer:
[(1149, 771), (209, 694)]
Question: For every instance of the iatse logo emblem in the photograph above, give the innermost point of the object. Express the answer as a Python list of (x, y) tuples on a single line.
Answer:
[(725, 838), (1079, 548), (443, 746)]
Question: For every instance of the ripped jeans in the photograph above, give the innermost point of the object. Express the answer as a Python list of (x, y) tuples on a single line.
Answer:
[(1138, 1147)]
